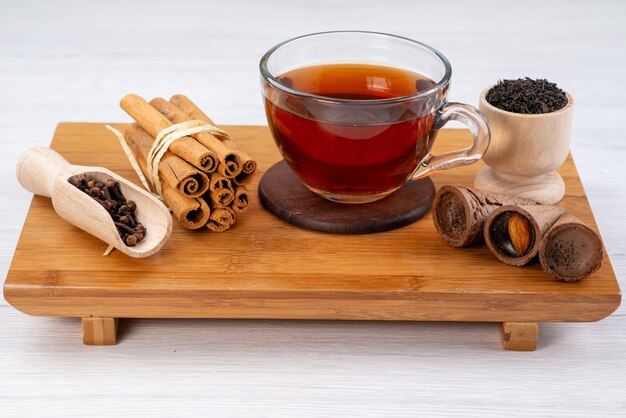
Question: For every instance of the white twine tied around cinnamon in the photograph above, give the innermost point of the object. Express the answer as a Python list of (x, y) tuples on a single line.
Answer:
[(161, 144)]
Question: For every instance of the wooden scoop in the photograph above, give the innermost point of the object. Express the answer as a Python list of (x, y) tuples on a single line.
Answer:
[(44, 172)]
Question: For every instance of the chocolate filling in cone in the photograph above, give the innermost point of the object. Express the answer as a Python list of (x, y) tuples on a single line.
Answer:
[(570, 250)]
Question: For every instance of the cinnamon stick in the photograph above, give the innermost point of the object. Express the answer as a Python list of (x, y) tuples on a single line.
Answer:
[(459, 213), (173, 170), (221, 219), (229, 163), (154, 122), (242, 199), (221, 191), (514, 233), (221, 198), (570, 250), (191, 213), (249, 164), (218, 182)]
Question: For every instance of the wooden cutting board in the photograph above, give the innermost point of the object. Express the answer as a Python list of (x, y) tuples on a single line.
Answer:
[(266, 268)]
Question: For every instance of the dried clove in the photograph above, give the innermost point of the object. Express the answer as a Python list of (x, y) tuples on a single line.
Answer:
[(132, 206), (124, 227), (106, 194), (110, 197), (131, 240), (127, 220), (114, 188), (106, 204)]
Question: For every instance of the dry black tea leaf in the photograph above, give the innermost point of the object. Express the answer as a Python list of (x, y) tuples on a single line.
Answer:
[(527, 96)]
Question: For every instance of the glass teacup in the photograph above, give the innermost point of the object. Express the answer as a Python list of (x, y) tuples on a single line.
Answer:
[(355, 114)]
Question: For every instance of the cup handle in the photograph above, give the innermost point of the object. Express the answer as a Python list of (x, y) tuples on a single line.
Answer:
[(477, 124)]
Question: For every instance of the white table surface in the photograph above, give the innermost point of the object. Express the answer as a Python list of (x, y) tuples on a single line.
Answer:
[(73, 60)]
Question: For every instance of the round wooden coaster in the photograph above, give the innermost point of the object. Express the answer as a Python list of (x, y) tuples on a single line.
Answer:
[(284, 195)]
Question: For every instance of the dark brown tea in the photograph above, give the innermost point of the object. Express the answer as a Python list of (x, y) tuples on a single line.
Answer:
[(357, 147)]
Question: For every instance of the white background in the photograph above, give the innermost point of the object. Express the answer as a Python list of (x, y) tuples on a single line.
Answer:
[(73, 61)]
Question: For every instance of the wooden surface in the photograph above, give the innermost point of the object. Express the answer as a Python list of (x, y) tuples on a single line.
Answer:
[(519, 336), (284, 195), (547, 189), (70, 60), (265, 268), (99, 331)]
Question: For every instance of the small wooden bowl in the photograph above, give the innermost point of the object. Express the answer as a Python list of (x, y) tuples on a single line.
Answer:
[(525, 151)]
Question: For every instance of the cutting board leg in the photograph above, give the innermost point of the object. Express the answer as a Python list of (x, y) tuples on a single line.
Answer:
[(99, 331), (519, 336)]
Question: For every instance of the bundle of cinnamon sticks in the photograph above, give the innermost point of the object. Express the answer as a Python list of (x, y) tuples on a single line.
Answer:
[(202, 177)]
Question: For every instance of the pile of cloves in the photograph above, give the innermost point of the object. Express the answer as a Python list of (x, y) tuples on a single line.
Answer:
[(122, 211)]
